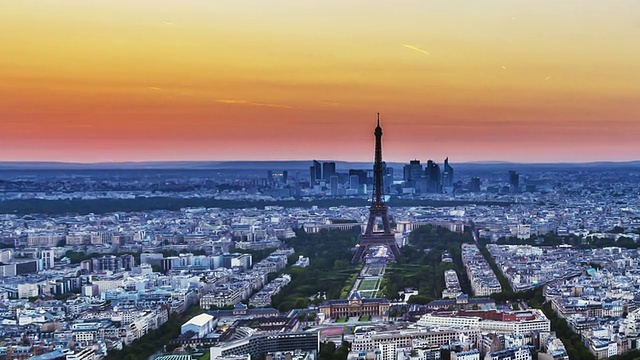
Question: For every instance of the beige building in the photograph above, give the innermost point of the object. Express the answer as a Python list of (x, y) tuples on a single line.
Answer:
[(355, 305)]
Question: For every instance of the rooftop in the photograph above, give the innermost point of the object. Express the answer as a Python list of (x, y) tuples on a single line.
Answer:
[(199, 320)]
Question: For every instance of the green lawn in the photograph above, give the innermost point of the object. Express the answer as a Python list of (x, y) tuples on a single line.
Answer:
[(364, 318), (368, 285)]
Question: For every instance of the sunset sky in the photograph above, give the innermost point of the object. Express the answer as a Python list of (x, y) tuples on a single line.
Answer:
[(510, 80)]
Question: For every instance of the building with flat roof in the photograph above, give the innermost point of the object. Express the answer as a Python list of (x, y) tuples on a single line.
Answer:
[(202, 325), (517, 322), (262, 344)]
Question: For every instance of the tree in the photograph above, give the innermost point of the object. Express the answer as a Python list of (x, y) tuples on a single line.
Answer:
[(617, 230), (419, 299), (343, 351), (329, 270), (327, 351)]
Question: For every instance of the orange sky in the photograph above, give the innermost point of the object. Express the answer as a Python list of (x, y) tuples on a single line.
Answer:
[(287, 79)]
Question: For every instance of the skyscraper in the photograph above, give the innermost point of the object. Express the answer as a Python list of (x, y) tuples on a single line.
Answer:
[(354, 182), (413, 172), (315, 173), (296, 185), (360, 184), (328, 170), (387, 177), (361, 174), (333, 185), (475, 184), (447, 175), (514, 181), (432, 172), (269, 177)]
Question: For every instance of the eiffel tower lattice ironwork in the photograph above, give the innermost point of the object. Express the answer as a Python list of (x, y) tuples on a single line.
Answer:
[(378, 210)]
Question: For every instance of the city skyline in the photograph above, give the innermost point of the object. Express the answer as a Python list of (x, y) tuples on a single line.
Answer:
[(172, 81)]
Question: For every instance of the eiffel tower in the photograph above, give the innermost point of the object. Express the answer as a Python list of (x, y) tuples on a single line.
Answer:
[(377, 210)]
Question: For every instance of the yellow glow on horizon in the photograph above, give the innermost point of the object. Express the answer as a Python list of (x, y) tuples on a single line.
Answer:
[(72, 70)]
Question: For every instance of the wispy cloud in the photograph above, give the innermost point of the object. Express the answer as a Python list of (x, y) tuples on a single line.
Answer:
[(415, 48), (167, 22), (247, 102), (272, 105), (229, 101)]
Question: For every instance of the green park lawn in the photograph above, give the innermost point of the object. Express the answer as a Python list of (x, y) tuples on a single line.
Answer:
[(368, 285)]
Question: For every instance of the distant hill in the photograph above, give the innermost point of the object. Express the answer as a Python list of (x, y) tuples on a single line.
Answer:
[(195, 165), (298, 165)]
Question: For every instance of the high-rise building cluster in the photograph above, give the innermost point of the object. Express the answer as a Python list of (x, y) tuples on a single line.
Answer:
[(324, 174), (413, 178), (323, 177), (428, 179)]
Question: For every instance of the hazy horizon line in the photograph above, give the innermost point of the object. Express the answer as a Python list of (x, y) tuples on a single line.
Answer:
[(300, 160)]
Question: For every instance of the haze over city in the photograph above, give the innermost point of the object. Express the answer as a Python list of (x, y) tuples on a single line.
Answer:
[(542, 81)]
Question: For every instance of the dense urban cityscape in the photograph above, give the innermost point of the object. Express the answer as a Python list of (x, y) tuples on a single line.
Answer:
[(319, 180), (487, 263)]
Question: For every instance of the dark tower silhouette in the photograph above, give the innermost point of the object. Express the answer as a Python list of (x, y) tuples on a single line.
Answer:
[(377, 210), (432, 171), (447, 174), (315, 173), (328, 170), (514, 181)]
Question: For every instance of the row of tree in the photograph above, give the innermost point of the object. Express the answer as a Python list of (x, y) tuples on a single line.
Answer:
[(149, 344), (572, 341), (506, 286), (582, 242), (420, 265), (329, 351), (102, 206), (76, 257), (330, 268), (534, 297)]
